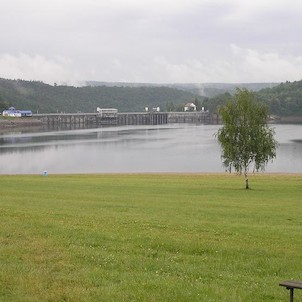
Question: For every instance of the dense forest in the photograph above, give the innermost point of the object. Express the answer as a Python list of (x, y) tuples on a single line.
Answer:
[(43, 98), (284, 99)]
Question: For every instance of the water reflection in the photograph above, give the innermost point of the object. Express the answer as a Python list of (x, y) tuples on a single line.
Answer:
[(165, 148)]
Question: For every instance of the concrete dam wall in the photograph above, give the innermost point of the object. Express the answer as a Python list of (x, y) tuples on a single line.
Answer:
[(145, 118)]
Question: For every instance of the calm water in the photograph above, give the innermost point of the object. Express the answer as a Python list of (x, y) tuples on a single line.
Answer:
[(165, 148)]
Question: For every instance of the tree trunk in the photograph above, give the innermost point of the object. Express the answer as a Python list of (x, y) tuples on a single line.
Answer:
[(246, 180)]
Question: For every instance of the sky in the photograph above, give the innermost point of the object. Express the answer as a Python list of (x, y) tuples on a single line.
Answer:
[(151, 41)]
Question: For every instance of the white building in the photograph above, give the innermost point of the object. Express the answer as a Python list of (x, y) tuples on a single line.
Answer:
[(190, 107)]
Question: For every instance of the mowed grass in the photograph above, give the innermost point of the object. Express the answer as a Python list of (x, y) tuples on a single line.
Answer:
[(149, 237)]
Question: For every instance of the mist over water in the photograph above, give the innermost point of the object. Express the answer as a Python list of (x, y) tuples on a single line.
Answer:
[(180, 148)]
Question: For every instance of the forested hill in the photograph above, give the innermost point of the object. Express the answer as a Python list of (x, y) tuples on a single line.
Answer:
[(201, 89), (282, 100), (43, 98)]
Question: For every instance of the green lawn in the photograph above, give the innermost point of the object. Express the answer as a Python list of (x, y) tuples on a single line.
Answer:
[(149, 237)]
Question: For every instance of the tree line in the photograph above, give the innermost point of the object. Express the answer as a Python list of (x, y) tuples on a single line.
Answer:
[(284, 99), (44, 98)]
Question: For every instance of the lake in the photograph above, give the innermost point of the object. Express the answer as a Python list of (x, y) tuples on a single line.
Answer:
[(183, 148)]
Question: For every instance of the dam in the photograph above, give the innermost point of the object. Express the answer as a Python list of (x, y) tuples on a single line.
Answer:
[(130, 118)]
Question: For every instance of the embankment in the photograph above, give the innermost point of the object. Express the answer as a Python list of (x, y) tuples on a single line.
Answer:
[(8, 123)]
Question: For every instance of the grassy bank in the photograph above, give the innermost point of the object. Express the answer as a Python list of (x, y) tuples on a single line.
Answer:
[(149, 237)]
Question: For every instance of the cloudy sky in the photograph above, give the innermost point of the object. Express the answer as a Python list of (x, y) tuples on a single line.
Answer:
[(157, 41)]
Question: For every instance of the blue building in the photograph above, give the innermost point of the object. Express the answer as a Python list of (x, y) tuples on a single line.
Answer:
[(12, 112)]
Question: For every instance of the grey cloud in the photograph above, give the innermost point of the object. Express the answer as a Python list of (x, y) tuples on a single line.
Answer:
[(158, 40)]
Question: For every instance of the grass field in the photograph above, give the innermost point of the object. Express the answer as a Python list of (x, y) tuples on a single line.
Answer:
[(149, 237)]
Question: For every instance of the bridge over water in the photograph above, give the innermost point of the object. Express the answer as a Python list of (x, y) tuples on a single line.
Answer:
[(133, 118)]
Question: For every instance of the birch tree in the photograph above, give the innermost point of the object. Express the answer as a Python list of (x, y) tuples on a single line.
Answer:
[(246, 140)]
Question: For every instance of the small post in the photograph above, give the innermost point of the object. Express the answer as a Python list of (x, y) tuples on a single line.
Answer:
[(291, 295), (246, 180)]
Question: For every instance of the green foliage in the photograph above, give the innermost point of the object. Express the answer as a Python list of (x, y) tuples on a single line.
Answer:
[(149, 238), (284, 99), (213, 104), (3, 104), (198, 104), (245, 137), (43, 98)]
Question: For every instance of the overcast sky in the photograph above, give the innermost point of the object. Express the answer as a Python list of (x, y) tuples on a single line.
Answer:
[(157, 41)]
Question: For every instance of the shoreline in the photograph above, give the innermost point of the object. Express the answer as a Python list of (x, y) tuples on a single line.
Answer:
[(287, 120), (8, 123)]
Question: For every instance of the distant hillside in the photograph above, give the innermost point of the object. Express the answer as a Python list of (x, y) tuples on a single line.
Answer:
[(284, 99), (43, 98), (200, 89)]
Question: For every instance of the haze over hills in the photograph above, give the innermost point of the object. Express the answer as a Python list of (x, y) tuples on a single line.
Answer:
[(282, 99), (200, 89)]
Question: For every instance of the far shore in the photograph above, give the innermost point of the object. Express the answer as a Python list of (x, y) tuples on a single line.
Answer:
[(289, 120)]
